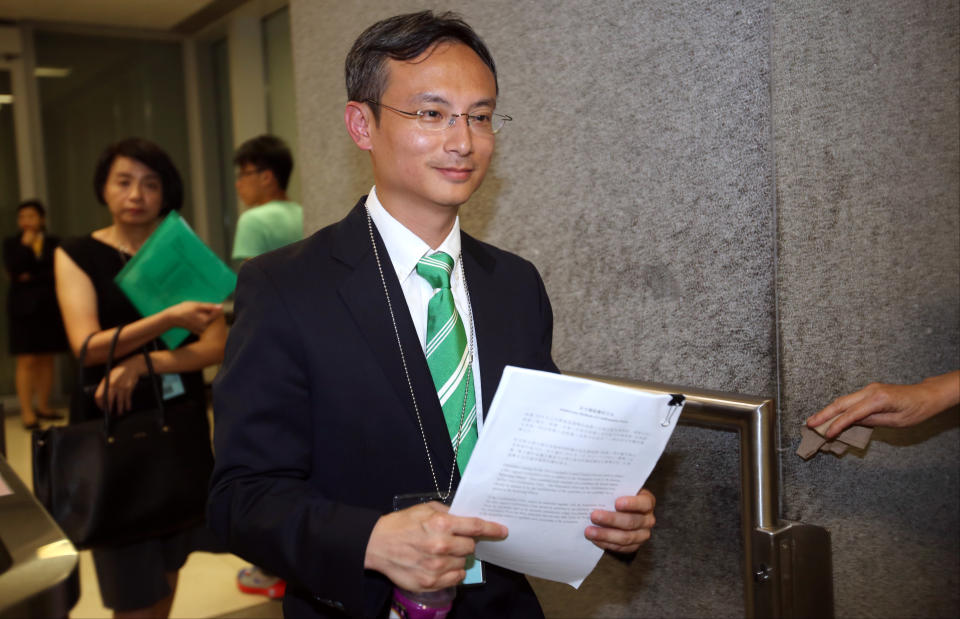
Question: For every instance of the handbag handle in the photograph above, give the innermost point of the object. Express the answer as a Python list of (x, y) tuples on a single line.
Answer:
[(108, 419), (82, 402)]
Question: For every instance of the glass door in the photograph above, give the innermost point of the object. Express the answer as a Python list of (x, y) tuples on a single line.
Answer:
[(9, 199)]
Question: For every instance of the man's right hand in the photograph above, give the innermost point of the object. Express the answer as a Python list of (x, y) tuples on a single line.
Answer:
[(423, 548)]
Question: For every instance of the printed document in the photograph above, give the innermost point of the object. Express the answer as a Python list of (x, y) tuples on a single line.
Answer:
[(553, 449)]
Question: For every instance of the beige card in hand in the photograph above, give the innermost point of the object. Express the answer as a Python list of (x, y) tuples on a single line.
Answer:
[(812, 440)]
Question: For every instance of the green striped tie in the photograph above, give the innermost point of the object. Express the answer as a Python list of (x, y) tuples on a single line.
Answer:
[(447, 356)]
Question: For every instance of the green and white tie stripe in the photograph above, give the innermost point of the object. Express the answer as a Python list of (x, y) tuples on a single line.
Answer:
[(448, 357)]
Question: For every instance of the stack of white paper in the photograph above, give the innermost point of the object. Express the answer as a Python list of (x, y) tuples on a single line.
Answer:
[(553, 449)]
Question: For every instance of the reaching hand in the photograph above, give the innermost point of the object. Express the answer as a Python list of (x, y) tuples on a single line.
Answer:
[(627, 528), (193, 315), (423, 548), (895, 406)]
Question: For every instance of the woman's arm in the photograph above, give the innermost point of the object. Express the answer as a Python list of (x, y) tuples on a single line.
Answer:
[(124, 376), (207, 350), (78, 305), (895, 406)]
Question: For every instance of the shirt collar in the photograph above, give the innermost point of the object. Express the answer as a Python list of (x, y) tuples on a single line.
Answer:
[(404, 247)]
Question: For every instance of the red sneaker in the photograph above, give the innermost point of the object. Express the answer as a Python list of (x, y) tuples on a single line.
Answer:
[(258, 582)]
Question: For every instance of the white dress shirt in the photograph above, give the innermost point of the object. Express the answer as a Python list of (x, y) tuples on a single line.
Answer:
[(406, 249)]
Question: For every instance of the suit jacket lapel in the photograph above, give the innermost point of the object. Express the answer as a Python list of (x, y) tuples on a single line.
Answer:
[(480, 269), (362, 292)]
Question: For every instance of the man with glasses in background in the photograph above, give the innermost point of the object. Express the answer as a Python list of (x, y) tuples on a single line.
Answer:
[(264, 165), (363, 358)]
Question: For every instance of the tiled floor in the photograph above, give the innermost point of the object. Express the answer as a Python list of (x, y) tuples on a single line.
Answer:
[(206, 587)]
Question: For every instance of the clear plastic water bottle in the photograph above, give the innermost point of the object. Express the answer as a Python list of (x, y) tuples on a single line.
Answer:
[(427, 605)]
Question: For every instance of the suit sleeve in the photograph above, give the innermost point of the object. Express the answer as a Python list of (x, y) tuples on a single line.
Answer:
[(262, 502), (546, 325)]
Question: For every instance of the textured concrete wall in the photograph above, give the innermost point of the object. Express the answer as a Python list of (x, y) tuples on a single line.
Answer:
[(865, 102), (644, 134)]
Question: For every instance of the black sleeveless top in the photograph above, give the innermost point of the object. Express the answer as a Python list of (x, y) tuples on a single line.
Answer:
[(101, 263)]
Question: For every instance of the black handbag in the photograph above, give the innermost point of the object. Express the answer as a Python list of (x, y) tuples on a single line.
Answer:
[(125, 478), (83, 405)]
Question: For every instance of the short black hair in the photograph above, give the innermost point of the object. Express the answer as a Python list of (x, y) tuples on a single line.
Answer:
[(150, 155), (35, 204), (267, 152), (403, 37)]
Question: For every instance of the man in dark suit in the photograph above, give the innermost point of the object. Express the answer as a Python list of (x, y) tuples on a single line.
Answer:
[(329, 406)]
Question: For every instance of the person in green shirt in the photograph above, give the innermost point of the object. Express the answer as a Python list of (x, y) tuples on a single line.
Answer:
[(264, 164)]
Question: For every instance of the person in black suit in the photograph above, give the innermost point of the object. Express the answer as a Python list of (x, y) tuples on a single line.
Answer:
[(326, 410)]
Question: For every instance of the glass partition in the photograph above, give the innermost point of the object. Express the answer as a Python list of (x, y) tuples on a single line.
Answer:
[(278, 74), (223, 206), (9, 199), (100, 89)]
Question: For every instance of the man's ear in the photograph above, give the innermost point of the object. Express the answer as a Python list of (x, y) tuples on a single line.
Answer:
[(358, 117), (269, 179)]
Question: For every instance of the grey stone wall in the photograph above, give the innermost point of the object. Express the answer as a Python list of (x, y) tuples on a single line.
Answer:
[(865, 117), (663, 154)]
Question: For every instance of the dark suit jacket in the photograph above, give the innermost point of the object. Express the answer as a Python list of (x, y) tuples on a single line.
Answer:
[(315, 429)]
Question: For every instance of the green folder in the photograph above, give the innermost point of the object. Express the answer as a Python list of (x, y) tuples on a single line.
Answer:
[(173, 266)]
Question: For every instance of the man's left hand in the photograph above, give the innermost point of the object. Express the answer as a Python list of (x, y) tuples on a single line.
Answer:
[(627, 528)]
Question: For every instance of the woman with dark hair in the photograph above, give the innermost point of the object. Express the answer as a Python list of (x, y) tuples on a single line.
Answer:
[(136, 180), (35, 328)]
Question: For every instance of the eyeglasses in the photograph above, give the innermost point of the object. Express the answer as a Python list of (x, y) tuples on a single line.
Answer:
[(438, 120), (241, 173)]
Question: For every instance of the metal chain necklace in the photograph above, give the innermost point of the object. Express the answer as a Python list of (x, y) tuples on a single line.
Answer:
[(123, 249), (123, 244), (406, 372)]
